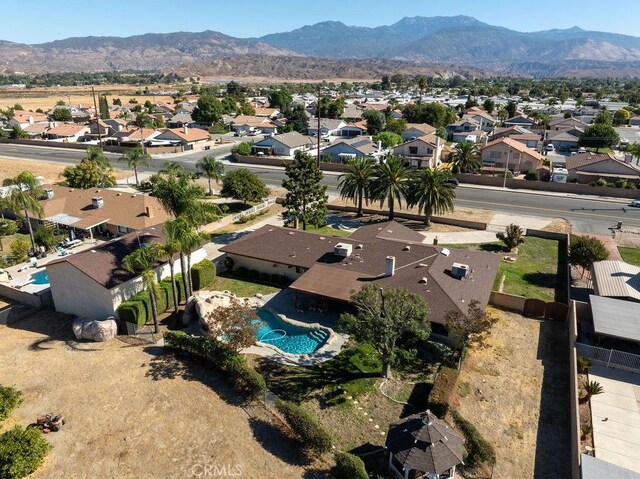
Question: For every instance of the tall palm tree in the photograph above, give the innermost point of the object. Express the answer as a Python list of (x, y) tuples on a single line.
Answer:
[(467, 158), (355, 184), (431, 192), (391, 181), (188, 239), (135, 158), (212, 169), (170, 248), (143, 261), (23, 199)]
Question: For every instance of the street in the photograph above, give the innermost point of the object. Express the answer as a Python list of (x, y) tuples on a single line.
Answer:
[(586, 214)]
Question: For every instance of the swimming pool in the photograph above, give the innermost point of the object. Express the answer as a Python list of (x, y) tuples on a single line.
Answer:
[(40, 277), (287, 337)]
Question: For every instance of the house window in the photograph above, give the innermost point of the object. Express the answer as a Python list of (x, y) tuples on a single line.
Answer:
[(515, 155), (413, 150), (123, 230), (495, 155), (429, 151)]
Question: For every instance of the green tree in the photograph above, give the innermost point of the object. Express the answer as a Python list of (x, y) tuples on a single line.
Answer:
[(17, 133), (512, 236), (61, 114), (299, 119), (388, 139), (170, 248), (306, 198), (431, 191), (376, 121), (470, 328), (396, 125), (7, 228), (135, 158), (434, 114), (103, 107), (208, 110), (246, 108), (331, 108), (512, 109), (243, 185), (634, 149), (242, 149), (391, 182), (384, 315), (142, 261), (19, 250), (355, 184), (117, 101), (586, 250), (467, 158), (212, 169), (281, 100), (144, 120), (23, 198), (489, 105), (603, 118), (599, 135), (621, 117), (470, 103)]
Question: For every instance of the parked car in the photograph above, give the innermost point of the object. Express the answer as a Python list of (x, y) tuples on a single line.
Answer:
[(550, 147), (453, 182), (635, 203)]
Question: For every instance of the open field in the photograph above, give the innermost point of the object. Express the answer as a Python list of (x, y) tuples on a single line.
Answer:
[(10, 167), (49, 101), (515, 391), (134, 412)]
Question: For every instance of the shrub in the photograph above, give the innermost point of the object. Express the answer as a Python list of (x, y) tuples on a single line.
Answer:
[(532, 176), (620, 184), (512, 236), (8, 227), (203, 274), (479, 449), (242, 149), (180, 285), (253, 275), (222, 358), (242, 272), (349, 466), (305, 426), (10, 399), (443, 388), (133, 311), (583, 364), (19, 249), (22, 451), (244, 185), (45, 237), (601, 182)]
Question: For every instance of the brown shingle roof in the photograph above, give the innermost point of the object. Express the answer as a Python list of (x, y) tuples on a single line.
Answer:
[(67, 129)]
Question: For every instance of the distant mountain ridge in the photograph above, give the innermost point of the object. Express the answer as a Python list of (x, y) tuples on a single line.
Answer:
[(432, 41)]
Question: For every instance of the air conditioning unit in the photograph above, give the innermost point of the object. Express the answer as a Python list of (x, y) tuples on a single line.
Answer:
[(48, 193), (97, 202), (459, 270), (342, 250)]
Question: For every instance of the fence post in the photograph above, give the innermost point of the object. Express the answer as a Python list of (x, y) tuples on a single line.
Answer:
[(609, 360)]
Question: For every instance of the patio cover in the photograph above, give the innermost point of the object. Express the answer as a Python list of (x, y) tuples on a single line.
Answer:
[(616, 317), (63, 219)]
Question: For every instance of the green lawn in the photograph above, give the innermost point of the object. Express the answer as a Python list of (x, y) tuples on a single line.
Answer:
[(329, 231), (240, 287), (630, 255)]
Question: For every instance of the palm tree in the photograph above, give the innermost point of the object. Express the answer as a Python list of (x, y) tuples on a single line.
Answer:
[(170, 248), (391, 181), (591, 388), (356, 183), (431, 191), (23, 199), (467, 158), (135, 158), (212, 169), (188, 239), (142, 261)]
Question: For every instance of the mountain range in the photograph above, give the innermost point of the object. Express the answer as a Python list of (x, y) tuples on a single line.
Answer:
[(413, 42)]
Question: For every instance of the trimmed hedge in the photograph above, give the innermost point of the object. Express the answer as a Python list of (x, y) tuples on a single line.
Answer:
[(222, 358), (308, 429), (203, 274), (22, 451), (10, 399), (137, 309), (479, 449), (133, 311), (443, 388), (349, 466)]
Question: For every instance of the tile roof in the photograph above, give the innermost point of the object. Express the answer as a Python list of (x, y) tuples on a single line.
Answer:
[(67, 129), (426, 128), (516, 145), (191, 134)]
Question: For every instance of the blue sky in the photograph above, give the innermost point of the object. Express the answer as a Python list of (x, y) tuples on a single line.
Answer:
[(39, 21)]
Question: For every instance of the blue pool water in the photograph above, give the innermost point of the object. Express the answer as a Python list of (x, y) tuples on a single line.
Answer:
[(287, 337), (40, 277)]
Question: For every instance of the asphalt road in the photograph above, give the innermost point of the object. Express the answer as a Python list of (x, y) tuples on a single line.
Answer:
[(586, 214)]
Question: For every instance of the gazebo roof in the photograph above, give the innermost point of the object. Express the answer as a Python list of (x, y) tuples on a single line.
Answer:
[(424, 443)]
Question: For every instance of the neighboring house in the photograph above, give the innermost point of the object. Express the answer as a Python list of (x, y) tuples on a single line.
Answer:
[(520, 120), (485, 120), (511, 154), (189, 138), (586, 114), (466, 130), (133, 136), (328, 127), (588, 167), (506, 132), (342, 150), (416, 130), (326, 270), (562, 140), (616, 279), (530, 140), (475, 136), (98, 127), (163, 108), (634, 120), (180, 120), (100, 211), (566, 124), (70, 132), (351, 113), (247, 123), (285, 144), (423, 151), (93, 283), (352, 129), (263, 112), (23, 119), (37, 130)]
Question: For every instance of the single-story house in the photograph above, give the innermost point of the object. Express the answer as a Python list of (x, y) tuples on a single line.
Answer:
[(566, 124), (530, 140), (616, 279), (588, 167), (24, 118), (634, 120), (520, 120), (285, 144), (248, 123), (506, 132), (326, 269), (93, 283), (70, 132), (509, 153), (37, 130), (101, 211), (267, 112), (416, 130), (464, 125), (423, 151), (342, 150), (352, 129), (562, 140), (351, 112), (185, 136), (180, 120), (133, 135), (328, 127)]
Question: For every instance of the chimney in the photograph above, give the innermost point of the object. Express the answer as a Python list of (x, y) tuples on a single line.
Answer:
[(30, 120), (390, 266), (149, 212), (185, 129)]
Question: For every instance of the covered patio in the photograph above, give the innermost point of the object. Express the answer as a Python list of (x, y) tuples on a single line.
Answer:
[(78, 227)]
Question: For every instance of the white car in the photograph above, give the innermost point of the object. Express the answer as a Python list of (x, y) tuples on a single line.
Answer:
[(636, 203)]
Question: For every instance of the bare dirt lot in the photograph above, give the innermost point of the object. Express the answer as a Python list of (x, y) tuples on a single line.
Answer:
[(515, 391), (132, 413), (10, 167)]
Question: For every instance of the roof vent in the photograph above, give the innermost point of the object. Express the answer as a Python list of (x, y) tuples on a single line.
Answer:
[(321, 238), (459, 270), (48, 192), (359, 246), (342, 250), (97, 202), (445, 252), (423, 280), (406, 248), (290, 233)]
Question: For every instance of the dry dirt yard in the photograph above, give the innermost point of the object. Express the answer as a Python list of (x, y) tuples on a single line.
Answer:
[(133, 414), (515, 391), (10, 167)]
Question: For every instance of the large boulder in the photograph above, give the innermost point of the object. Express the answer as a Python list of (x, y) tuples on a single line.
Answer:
[(95, 330), (206, 302)]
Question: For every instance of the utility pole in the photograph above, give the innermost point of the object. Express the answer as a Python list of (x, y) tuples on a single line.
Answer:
[(318, 115), (506, 169), (95, 106)]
